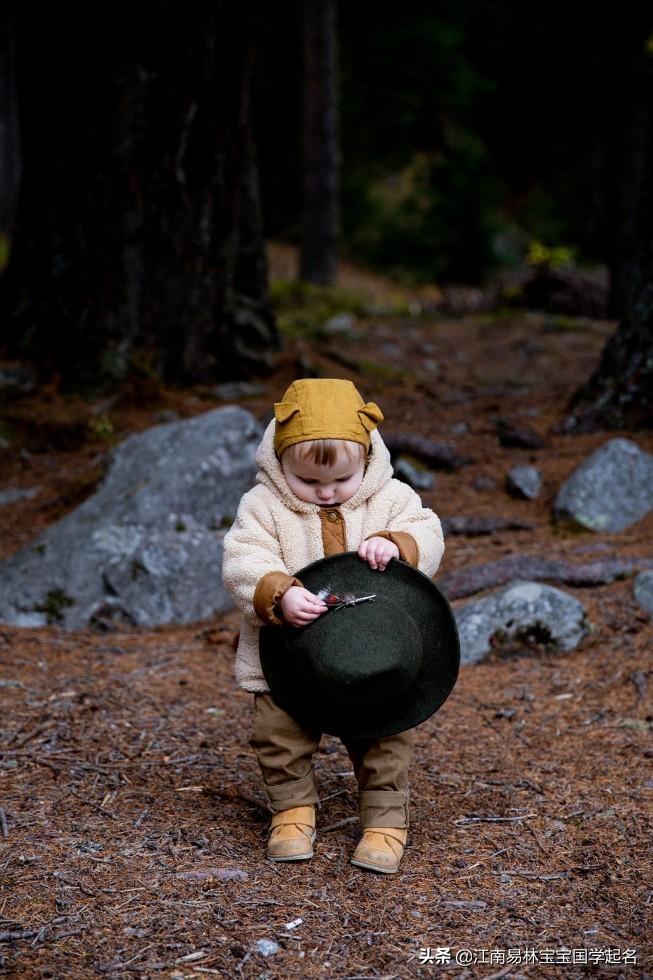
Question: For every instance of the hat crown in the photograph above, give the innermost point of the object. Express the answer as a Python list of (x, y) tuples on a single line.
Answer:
[(369, 673)]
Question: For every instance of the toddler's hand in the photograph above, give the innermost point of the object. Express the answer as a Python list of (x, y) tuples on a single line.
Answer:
[(300, 607), (377, 552)]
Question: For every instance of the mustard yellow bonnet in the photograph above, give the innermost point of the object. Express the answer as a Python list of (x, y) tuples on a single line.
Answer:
[(323, 408)]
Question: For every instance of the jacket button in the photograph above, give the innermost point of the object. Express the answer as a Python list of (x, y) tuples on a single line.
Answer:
[(332, 516)]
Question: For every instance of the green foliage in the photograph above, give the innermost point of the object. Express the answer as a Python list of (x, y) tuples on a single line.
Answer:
[(102, 428), (6, 434), (4, 251), (432, 220), (303, 308), (54, 604), (556, 257), (382, 372)]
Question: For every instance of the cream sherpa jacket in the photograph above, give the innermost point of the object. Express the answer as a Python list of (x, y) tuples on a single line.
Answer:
[(276, 532)]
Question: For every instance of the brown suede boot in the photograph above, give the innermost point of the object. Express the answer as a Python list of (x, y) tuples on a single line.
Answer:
[(292, 833), (381, 849)]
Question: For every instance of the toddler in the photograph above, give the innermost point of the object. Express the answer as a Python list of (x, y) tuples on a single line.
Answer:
[(324, 486)]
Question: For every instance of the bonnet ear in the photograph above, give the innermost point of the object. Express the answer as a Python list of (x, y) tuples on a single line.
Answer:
[(370, 415), (285, 410)]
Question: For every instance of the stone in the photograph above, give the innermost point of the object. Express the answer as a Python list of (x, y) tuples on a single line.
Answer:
[(611, 490), (16, 380), (484, 483), (13, 494), (266, 947), (146, 548), (416, 478), (643, 589), (516, 610), (234, 390), (524, 481), (340, 323)]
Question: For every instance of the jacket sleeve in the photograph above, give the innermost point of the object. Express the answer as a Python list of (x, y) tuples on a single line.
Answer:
[(253, 571), (416, 530)]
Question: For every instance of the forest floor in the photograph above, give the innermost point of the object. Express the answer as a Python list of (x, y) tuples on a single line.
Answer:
[(132, 822)]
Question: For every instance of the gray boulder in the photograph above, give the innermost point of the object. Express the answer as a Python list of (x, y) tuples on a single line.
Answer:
[(514, 611), (643, 589), (524, 481), (611, 490), (415, 477), (146, 548)]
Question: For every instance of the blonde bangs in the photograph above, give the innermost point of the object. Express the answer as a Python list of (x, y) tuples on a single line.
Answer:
[(324, 452)]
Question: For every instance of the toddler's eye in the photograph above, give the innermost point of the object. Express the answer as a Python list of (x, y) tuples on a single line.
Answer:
[(306, 481)]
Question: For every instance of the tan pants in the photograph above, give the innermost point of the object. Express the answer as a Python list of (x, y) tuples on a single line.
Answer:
[(284, 750)]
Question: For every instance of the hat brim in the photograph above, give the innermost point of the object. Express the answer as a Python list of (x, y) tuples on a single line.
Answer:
[(409, 589)]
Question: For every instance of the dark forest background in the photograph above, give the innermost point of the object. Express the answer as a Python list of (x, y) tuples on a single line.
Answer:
[(146, 157), (468, 131)]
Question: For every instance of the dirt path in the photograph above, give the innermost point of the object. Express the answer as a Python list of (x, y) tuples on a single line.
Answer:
[(132, 825)]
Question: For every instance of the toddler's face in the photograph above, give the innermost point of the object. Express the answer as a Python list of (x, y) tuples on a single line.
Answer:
[(324, 485)]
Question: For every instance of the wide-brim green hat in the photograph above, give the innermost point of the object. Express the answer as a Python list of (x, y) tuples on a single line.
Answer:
[(370, 669)]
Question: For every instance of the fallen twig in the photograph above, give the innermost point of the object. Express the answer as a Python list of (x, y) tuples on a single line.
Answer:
[(20, 740), (338, 824), (139, 820), (490, 818), (10, 936)]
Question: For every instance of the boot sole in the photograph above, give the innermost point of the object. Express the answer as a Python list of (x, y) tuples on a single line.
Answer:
[(375, 867)]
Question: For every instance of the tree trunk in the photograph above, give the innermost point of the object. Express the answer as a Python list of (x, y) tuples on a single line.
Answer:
[(619, 395), (138, 213), (320, 232), (9, 149), (626, 153)]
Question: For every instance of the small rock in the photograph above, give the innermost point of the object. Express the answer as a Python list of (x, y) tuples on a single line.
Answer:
[(611, 490), (459, 429), (519, 609), (233, 390), (166, 415), (390, 348), (340, 323), (19, 379), (513, 437), (484, 483), (266, 947), (524, 481), (13, 494), (643, 589), (408, 473)]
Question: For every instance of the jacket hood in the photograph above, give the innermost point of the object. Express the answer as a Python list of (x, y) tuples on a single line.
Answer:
[(271, 475)]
